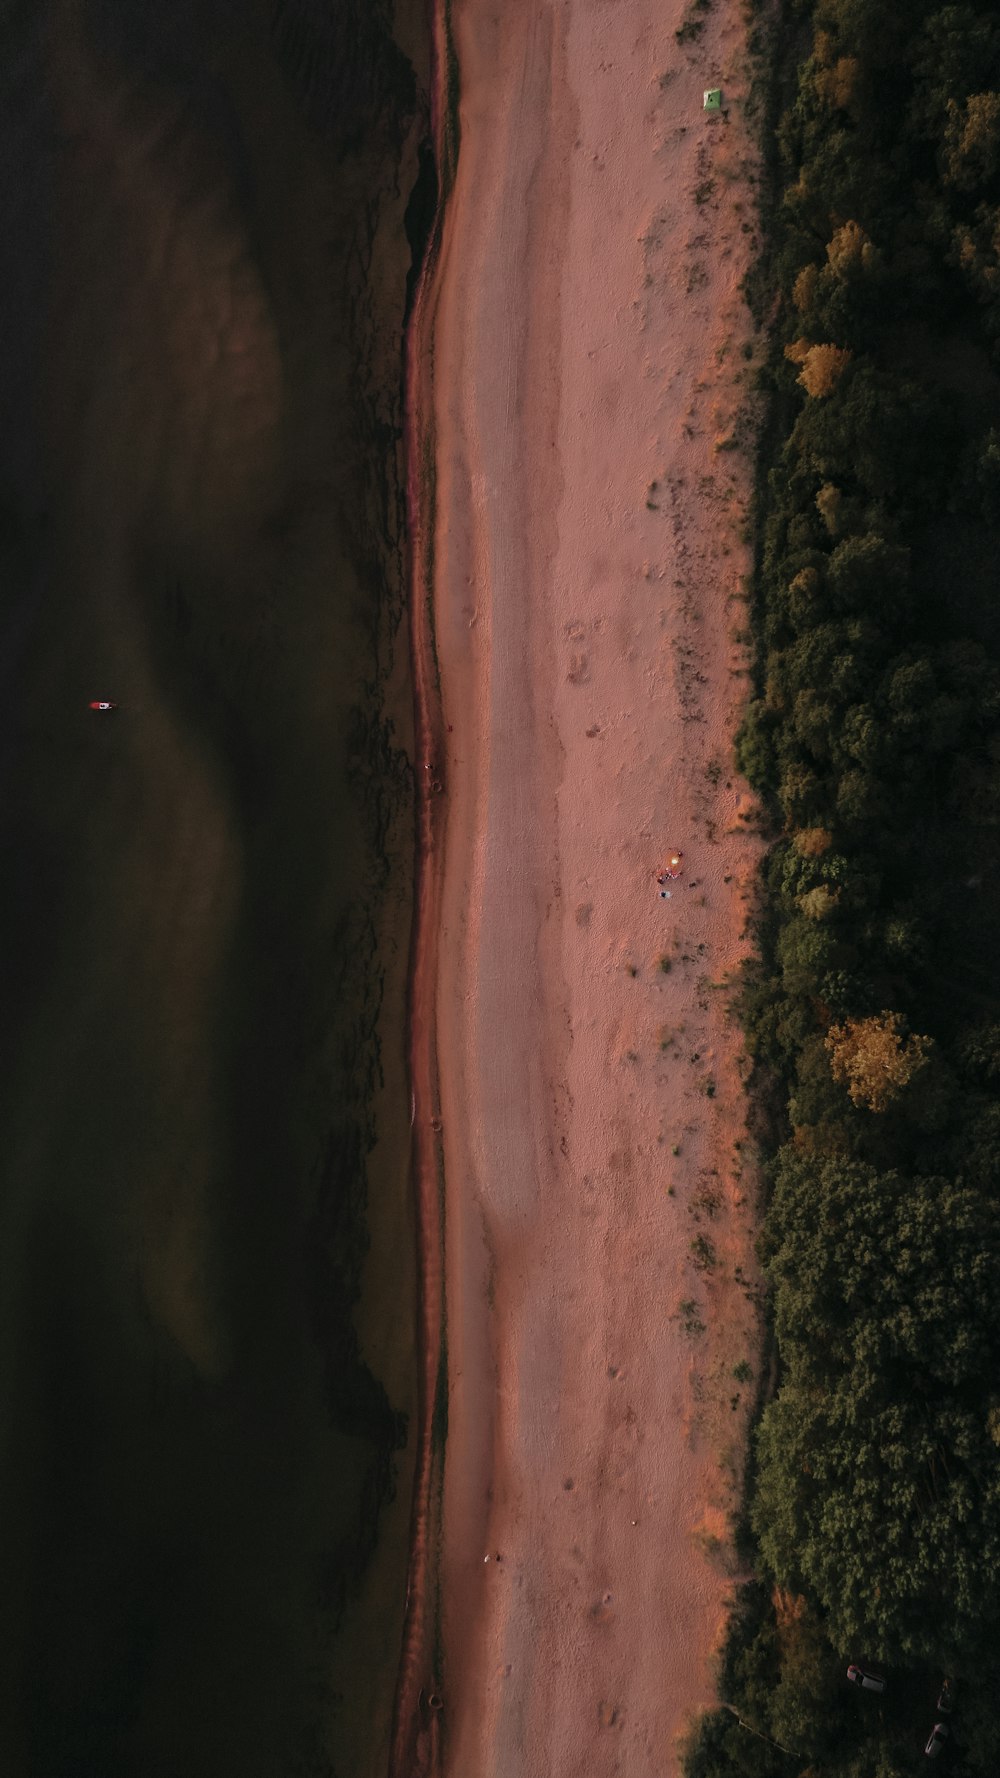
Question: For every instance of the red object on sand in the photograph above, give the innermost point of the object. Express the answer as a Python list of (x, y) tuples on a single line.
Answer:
[(103, 704)]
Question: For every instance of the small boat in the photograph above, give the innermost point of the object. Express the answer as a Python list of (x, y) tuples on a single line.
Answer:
[(102, 704)]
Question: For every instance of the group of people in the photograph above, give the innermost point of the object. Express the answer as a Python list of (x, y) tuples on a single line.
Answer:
[(669, 874)]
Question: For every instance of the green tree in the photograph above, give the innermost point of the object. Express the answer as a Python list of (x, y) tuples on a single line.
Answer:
[(869, 574), (951, 54), (804, 950), (804, 1708), (860, 801), (893, 435), (754, 746), (879, 1489), (885, 1510), (977, 483), (975, 251), (972, 141), (721, 1748), (978, 1052), (799, 792)]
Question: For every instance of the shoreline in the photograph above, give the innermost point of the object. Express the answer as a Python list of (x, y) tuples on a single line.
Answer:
[(413, 1740)]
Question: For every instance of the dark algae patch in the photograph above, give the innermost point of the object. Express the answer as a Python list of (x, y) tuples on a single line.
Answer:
[(873, 1011), (206, 1265)]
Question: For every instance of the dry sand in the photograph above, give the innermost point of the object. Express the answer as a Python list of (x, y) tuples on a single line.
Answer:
[(580, 338)]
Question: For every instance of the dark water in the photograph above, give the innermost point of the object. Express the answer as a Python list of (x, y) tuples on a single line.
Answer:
[(198, 518)]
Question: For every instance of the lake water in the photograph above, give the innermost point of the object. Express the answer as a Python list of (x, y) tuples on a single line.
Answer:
[(206, 1291)]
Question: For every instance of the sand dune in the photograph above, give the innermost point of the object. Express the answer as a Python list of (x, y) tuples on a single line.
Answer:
[(585, 328)]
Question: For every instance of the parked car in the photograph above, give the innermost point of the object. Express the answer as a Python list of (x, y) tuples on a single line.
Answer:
[(938, 1737), (946, 1696), (869, 1682)]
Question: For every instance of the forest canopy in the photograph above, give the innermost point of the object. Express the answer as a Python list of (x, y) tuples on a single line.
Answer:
[(872, 1013)]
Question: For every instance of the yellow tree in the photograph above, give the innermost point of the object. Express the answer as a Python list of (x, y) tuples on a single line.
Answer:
[(819, 903), (849, 251), (804, 288), (822, 366), (812, 842), (873, 1059), (829, 501), (836, 76), (838, 83)]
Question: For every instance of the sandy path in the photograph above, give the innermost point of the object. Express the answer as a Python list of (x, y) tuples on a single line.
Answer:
[(584, 328)]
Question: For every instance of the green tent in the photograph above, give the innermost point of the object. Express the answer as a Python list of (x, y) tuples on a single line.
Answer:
[(713, 99)]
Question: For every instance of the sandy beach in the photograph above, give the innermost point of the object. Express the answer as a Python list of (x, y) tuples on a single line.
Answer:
[(581, 339)]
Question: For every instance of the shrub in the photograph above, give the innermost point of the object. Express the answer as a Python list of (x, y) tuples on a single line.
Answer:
[(703, 1253)]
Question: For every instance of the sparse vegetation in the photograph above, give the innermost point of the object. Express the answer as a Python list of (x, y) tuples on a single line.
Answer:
[(703, 1254), (693, 22), (690, 1317)]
